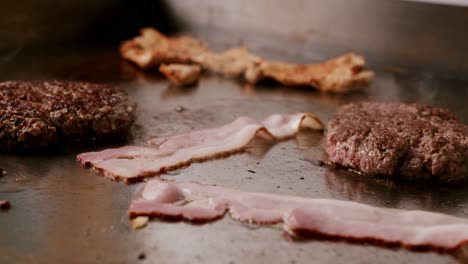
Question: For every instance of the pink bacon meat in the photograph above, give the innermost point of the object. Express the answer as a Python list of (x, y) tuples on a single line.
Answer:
[(131, 163), (329, 218)]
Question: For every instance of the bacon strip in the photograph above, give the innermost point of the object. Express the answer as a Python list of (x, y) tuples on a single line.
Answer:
[(330, 218), (152, 48), (131, 163), (341, 74)]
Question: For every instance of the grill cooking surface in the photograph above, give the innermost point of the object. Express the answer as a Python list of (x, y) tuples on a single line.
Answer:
[(62, 212)]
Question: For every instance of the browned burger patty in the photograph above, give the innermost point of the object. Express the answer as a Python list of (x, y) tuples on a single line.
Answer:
[(399, 140), (43, 115)]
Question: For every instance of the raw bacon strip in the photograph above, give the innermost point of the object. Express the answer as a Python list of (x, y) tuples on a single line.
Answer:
[(131, 163), (331, 218)]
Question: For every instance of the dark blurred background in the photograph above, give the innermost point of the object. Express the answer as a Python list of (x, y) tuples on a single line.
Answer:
[(28, 23), (390, 33)]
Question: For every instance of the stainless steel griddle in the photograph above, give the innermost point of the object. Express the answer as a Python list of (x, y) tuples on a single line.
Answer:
[(63, 213)]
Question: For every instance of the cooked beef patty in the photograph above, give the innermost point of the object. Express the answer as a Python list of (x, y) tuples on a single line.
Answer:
[(42, 115), (399, 140)]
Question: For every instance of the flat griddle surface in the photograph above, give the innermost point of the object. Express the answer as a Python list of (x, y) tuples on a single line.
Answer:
[(63, 213)]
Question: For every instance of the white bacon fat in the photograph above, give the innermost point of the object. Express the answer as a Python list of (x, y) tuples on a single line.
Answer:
[(330, 218), (131, 163)]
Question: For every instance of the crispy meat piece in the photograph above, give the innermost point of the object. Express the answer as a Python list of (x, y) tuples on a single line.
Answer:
[(181, 74), (339, 74), (153, 48), (235, 62)]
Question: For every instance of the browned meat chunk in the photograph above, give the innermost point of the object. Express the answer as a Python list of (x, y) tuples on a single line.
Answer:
[(181, 74), (42, 115), (153, 48), (399, 140)]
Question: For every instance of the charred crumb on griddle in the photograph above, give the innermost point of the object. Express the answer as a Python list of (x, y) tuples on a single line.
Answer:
[(141, 256), (5, 204)]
